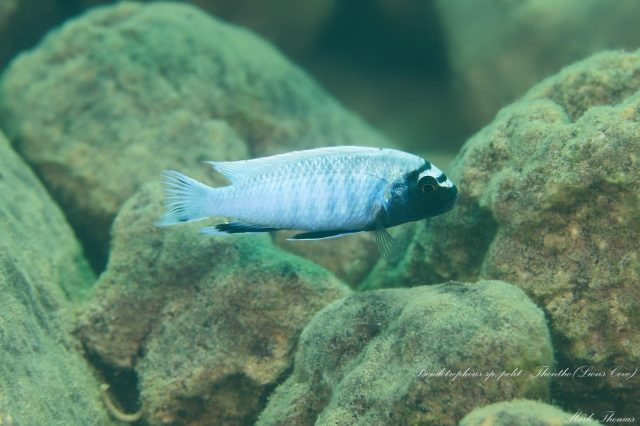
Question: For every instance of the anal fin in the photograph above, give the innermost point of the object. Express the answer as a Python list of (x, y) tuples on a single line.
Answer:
[(320, 235), (235, 228)]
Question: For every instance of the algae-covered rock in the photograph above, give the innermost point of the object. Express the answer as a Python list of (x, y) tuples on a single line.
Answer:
[(524, 412), (105, 103), (550, 200), (292, 26), (351, 258), (501, 48), (43, 380), (209, 324), (389, 357)]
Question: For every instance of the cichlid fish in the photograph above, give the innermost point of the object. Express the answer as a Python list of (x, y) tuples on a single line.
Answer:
[(327, 192)]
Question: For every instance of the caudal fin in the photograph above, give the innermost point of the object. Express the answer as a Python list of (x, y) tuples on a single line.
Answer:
[(185, 199)]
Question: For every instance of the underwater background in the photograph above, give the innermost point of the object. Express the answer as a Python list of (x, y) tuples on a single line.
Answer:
[(521, 306)]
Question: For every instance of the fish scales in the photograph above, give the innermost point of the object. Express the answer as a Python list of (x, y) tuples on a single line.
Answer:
[(316, 194)]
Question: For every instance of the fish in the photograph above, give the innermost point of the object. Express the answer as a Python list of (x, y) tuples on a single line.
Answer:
[(326, 192)]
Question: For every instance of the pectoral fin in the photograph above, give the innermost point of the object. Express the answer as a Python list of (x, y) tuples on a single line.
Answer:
[(387, 246), (320, 235)]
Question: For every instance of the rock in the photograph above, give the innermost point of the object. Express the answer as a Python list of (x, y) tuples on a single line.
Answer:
[(523, 412), (43, 379), (132, 89), (382, 357), (501, 48), (209, 325), (550, 202), (292, 26), (350, 258)]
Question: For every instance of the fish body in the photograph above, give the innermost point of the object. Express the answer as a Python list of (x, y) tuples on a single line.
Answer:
[(326, 191)]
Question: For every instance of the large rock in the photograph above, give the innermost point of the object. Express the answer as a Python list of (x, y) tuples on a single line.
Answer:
[(524, 412), (208, 324), (550, 200), (292, 26), (390, 357), (501, 48), (350, 258), (43, 379), (133, 89)]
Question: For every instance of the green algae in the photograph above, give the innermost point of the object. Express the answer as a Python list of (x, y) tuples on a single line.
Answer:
[(523, 412), (360, 359), (43, 378), (208, 325), (549, 191)]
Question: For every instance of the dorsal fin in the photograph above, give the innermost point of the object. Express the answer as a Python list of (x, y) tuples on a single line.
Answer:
[(236, 171)]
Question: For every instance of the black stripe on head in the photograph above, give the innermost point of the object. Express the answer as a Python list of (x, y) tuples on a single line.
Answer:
[(442, 178), (426, 166), (413, 175)]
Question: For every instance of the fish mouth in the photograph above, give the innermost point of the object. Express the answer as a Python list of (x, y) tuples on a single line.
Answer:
[(444, 207), (447, 199), (450, 204)]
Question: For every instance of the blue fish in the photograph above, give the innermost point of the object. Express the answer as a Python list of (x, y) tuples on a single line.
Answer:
[(326, 192)]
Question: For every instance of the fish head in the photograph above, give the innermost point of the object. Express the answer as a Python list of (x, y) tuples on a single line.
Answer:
[(428, 192), (421, 193)]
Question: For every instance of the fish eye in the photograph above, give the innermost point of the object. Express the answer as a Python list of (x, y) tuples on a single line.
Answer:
[(428, 184)]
